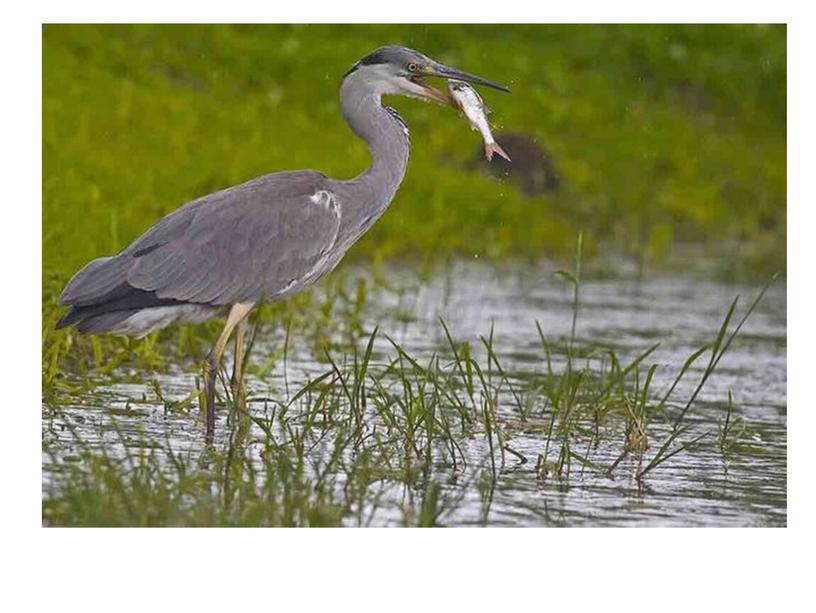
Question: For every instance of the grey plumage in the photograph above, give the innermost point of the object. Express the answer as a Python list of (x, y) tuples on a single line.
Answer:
[(234, 245), (264, 239), (269, 237), (259, 240), (391, 54)]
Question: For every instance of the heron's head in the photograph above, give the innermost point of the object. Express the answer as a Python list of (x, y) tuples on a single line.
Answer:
[(402, 71)]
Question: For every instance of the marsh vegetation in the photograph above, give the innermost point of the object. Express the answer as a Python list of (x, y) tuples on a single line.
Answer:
[(465, 366), (420, 422)]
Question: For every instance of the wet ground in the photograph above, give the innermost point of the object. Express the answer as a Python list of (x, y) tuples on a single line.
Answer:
[(699, 487)]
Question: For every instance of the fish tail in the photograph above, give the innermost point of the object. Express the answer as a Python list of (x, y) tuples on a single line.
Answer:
[(494, 147)]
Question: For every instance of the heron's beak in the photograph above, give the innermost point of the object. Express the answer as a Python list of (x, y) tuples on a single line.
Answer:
[(446, 72), (429, 92)]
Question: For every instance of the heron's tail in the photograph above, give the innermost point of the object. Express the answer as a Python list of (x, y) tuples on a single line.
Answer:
[(95, 281), (94, 324), (112, 308), (494, 147)]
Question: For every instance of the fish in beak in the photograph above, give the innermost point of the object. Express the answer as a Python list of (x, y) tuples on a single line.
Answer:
[(446, 72)]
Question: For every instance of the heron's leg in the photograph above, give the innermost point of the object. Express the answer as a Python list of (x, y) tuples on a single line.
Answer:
[(237, 314), (238, 391)]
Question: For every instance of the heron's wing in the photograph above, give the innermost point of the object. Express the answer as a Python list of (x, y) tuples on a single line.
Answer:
[(105, 278), (251, 241)]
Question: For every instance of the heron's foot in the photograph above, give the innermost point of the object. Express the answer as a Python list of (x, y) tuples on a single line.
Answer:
[(210, 375)]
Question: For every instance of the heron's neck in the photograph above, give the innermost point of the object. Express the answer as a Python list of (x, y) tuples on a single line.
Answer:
[(387, 139)]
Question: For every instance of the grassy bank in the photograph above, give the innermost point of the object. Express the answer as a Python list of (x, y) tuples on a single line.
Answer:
[(397, 440), (668, 141), (660, 135)]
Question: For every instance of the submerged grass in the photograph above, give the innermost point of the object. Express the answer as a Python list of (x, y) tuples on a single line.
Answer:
[(383, 437)]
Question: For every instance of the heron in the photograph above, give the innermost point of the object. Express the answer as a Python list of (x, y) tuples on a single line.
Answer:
[(223, 254)]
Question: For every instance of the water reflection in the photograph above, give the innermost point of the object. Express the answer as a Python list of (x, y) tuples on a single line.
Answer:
[(699, 488)]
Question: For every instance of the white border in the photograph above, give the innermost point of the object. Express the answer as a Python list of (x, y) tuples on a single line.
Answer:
[(381, 569), (415, 11)]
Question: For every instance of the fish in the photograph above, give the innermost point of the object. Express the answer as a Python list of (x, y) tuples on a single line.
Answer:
[(471, 104)]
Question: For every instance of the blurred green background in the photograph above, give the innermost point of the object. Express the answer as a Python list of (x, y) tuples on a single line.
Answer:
[(669, 142), (662, 136)]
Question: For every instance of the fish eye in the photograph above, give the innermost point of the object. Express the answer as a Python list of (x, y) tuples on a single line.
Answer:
[(412, 67)]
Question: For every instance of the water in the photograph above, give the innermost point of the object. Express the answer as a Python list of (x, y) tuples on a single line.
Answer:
[(695, 488)]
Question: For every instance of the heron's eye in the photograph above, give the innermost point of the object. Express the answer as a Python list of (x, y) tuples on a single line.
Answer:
[(412, 67)]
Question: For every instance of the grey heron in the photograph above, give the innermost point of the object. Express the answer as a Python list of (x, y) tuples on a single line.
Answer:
[(263, 240)]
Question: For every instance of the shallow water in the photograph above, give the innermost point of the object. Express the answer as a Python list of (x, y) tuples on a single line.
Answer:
[(697, 487)]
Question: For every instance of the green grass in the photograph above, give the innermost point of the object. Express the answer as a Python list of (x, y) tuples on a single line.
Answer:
[(326, 455), (661, 134), (670, 142), (332, 451)]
